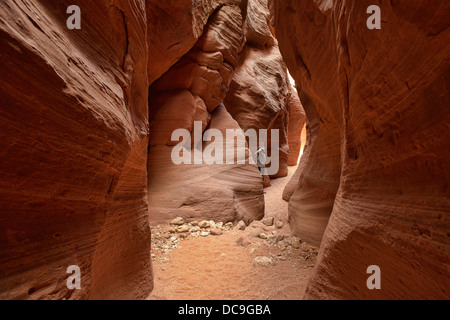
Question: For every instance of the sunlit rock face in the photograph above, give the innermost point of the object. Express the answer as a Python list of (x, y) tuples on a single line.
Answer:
[(73, 135), (297, 121), (377, 160)]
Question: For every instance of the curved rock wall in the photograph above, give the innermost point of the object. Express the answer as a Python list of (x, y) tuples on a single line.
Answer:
[(74, 123), (192, 90), (380, 107), (259, 95), (174, 27), (76, 116)]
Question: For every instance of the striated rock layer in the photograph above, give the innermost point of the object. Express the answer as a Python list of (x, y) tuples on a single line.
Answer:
[(219, 192), (378, 115), (174, 27), (73, 137), (259, 95), (192, 91)]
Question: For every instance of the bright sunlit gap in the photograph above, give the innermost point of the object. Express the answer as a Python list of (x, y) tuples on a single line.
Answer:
[(303, 135)]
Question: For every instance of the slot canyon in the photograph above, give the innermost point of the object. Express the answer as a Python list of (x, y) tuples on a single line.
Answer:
[(358, 119)]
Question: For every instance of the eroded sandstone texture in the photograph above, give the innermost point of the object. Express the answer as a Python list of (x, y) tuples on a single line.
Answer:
[(259, 95), (73, 155), (173, 29), (192, 90), (77, 157), (377, 159), (297, 120)]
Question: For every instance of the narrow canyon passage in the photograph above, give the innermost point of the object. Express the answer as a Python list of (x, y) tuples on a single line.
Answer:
[(112, 129), (238, 264)]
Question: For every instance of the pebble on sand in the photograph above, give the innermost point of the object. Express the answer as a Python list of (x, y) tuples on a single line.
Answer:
[(262, 261), (177, 221), (216, 232)]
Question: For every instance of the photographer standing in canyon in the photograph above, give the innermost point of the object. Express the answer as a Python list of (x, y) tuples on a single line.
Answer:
[(261, 158)]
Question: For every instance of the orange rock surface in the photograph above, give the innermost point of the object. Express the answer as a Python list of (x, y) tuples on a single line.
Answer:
[(74, 123), (260, 94), (192, 90), (377, 163), (87, 117)]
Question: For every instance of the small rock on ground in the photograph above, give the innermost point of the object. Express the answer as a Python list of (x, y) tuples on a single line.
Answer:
[(204, 224), (268, 221), (177, 221), (183, 229), (262, 261), (216, 232)]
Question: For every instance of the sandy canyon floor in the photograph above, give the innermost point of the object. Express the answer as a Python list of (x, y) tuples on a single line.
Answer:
[(262, 262)]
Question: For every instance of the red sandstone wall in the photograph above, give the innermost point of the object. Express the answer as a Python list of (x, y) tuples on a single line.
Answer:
[(73, 157), (380, 107)]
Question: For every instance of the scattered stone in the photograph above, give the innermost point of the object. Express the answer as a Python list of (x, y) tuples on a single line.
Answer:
[(184, 235), (204, 224), (177, 221), (279, 224), (255, 233), (259, 225), (268, 221), (216, 232), (295, 242), (262, 261), (229, 224), (219, 225), (194, 223), (183, 229), (263, 236), (194, 229), (171, 230), (242, 225), (242, 242), (204, 234), (212, 224)]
